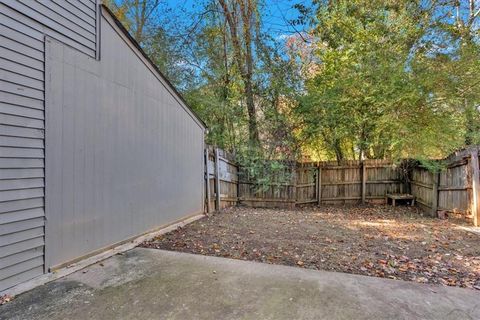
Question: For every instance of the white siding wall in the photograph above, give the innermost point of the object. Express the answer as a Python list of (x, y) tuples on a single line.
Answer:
[(23, 26), (124, 155)]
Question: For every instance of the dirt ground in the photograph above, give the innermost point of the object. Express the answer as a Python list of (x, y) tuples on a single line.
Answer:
[(381, 241)]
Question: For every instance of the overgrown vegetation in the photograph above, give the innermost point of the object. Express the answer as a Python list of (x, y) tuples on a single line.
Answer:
[(356, 79)]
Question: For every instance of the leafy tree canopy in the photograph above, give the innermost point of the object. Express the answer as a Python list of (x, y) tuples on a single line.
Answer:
[(350, 79)]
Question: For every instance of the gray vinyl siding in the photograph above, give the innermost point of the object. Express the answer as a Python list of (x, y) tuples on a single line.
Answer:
[(124, 155), (63, 17), (92, 152), (21, 150), (23, 27)]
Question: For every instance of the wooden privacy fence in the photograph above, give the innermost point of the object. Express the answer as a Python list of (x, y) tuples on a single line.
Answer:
[(358, 181), (454, 189), (320, 182), (221, 174)]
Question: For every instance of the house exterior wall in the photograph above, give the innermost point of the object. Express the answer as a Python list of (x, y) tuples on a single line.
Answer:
[(73, 22), (122, 155), (126, 139), (23, 26)]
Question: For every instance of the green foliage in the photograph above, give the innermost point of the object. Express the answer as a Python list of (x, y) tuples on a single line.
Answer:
[(262, 171), (372, 78), (432, 165), (226, 121), (376, 92)]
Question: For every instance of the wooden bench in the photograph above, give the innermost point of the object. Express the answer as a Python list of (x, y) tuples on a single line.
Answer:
[(399, 196)]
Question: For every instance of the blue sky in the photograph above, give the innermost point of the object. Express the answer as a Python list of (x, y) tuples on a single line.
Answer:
[(275, 14)]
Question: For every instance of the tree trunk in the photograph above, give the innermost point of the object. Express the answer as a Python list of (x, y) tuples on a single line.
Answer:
[(243, 55), (470, 123), (338, 151), (252, 114)]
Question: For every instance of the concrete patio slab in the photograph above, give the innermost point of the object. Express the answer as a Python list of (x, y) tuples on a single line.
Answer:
[(155, 284)]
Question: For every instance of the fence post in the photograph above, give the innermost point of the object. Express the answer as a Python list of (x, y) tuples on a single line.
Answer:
[(237, 167), (207, 174), (319, 184), (475, 202), (435, 191), (217, 179), (295, 173), (364, 181)]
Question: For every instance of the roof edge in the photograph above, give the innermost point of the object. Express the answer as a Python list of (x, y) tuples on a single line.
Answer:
[(152, 64)]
